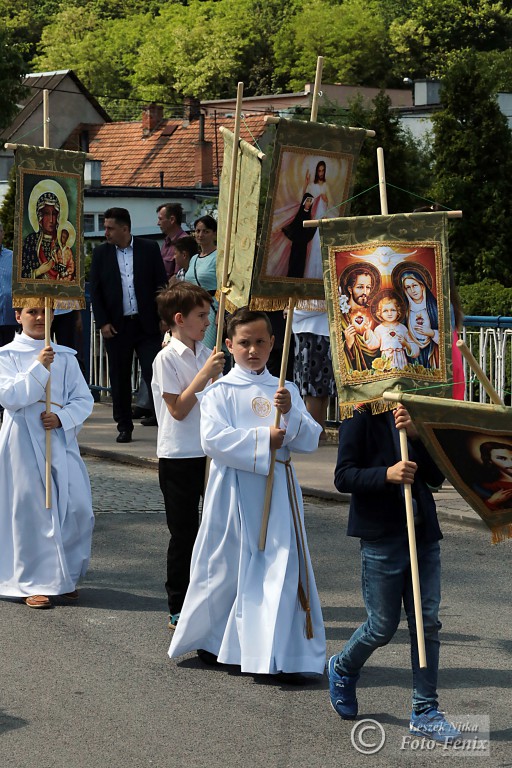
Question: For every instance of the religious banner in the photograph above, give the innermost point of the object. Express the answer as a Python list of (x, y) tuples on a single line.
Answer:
[(306, 173), (48, 231), (387, 291), (472, 444), (245, 214)]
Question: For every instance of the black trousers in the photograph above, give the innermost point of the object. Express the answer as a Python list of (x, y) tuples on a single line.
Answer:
[(129, 339), (182, 485)]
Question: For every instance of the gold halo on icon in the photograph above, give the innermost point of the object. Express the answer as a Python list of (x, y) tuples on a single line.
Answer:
[(47, 185)]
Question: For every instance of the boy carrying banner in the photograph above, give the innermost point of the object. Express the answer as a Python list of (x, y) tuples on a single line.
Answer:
[(370, 468), (259, 610)]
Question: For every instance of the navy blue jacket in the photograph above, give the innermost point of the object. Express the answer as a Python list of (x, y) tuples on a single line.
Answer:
[(368, 445), (106, 287)]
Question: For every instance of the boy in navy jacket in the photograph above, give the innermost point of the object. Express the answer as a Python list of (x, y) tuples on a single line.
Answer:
[(370, 468)]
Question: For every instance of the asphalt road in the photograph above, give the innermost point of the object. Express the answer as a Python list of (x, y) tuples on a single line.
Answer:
[(91, 686)]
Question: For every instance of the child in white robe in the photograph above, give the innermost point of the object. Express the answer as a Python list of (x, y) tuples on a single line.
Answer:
[(256, 609), (44, 551)]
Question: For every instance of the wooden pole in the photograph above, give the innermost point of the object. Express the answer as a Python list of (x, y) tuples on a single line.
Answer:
[(282, 378), (404, 451), (316, 222), (482, 378), (47, 326), (286, 344)]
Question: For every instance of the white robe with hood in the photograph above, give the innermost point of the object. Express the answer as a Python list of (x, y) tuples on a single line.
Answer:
[(242, 604), (43, 551)]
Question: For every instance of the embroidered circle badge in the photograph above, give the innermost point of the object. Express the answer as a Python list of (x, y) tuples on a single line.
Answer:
[(261, 407)]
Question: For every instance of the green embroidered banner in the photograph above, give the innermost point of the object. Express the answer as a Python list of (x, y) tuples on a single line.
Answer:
[(310, 167), (387, 292), (307, 172), (48, 229), (472, 444), (245, 220)]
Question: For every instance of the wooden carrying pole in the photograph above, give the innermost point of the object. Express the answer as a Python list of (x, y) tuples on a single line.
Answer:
[(404, 451), (47, 326), (482, 378), (286, 343)]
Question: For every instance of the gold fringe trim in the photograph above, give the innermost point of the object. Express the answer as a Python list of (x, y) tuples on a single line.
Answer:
[(273, 304), (375, 406), (501, 533), (269, 305), (39, 301)]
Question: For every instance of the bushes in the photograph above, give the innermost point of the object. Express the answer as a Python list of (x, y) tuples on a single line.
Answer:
[(488, 297)]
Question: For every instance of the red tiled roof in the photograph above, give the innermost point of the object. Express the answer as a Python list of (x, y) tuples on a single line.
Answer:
[(131, 160)]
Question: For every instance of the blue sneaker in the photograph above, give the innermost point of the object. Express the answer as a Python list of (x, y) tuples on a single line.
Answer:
[(342, 690), (434, 725), (173, 620)]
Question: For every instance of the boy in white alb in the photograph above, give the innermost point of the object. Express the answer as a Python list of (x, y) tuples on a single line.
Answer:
[(44, 551), (256, 609), (181, 370)]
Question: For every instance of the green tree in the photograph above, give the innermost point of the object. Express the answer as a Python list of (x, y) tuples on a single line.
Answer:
[(102, 52), (424, 42), (473, 172), (12, 71), (407, 164), (351, 36)]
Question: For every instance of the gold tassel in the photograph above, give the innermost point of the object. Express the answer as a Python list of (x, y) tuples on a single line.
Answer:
[(501, 533), (376, 407), (304, 603)]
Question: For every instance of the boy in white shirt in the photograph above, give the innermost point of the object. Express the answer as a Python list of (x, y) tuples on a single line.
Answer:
[(180, 370)]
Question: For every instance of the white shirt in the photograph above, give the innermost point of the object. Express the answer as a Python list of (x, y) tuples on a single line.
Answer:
[(174, 368), (125, 261), (305, 321)]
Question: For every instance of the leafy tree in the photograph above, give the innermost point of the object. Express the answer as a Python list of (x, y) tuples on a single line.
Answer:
[(424, 42), (407, 164), (473, 172), (103, 53), (12, 70), (352, 37)]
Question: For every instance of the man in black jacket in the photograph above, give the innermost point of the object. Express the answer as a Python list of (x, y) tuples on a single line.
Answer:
[(370, 468), (126, 273)]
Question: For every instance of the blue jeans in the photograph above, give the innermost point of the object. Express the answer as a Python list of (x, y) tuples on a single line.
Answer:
[(386, 583)]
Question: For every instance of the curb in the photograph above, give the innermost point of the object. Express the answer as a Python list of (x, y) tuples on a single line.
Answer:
[(307, 491)]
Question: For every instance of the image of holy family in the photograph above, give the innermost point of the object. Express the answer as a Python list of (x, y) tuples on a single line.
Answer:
[(390, 321)]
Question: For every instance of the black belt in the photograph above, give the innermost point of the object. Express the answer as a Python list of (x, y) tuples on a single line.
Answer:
[(131, 317)]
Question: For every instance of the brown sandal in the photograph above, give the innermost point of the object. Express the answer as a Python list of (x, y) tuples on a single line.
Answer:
[(37, 601)]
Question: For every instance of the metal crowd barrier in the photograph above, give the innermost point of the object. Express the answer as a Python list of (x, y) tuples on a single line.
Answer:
[(488, 338)]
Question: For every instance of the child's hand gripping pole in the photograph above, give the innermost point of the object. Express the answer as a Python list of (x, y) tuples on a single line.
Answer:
[(277, 421)]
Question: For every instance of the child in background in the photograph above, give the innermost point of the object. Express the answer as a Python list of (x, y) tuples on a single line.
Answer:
[(181, 370), (257, 609), (184, 249), (44, 551)]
